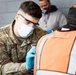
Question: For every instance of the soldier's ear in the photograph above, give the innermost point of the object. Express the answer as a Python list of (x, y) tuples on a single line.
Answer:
[(16, 17)]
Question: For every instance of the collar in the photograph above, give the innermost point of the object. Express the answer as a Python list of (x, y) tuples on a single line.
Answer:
[(15, 39), (51, 9), (21, 41), (68, 27)]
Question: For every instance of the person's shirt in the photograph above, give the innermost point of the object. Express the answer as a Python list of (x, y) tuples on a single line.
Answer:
[(52, 20), (62, 40)]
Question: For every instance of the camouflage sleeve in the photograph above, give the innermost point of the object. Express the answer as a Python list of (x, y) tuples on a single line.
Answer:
[(4, 58), (11, 67), (6, 66), (16, 69)]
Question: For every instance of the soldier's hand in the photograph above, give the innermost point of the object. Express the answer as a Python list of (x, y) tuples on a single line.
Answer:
[(30, 58)]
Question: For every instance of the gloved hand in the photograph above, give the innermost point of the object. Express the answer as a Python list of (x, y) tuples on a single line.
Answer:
[(30, 58), (49, 31)]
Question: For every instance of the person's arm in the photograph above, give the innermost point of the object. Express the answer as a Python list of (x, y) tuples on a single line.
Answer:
[(11, 67), (6, 65), (26, 67)]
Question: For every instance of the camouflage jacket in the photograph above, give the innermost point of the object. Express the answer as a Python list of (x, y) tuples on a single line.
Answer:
[(13, 49)]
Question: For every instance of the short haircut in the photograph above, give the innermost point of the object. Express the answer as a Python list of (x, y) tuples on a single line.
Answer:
[(72, 15), (31, 8), (43, 0)]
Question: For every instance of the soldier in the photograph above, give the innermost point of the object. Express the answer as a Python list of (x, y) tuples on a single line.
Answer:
[(17, 38)]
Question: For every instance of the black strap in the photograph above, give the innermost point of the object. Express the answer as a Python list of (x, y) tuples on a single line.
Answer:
[(69, 27)]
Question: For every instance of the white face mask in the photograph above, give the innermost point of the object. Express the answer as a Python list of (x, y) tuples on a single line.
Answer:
[(25, 31), (44, 11)]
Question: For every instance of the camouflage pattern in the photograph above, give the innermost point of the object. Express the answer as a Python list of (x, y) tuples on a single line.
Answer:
[(13, 50)]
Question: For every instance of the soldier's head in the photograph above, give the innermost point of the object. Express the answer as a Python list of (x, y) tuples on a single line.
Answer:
[(72, 15), (27, 18)]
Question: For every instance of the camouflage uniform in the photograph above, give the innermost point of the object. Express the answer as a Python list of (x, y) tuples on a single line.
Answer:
[(13, 50)]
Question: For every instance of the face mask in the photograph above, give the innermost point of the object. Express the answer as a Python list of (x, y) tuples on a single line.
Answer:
[(25, 31), (44, 10)]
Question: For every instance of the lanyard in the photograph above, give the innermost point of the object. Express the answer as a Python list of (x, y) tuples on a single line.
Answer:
[(45, 19)]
